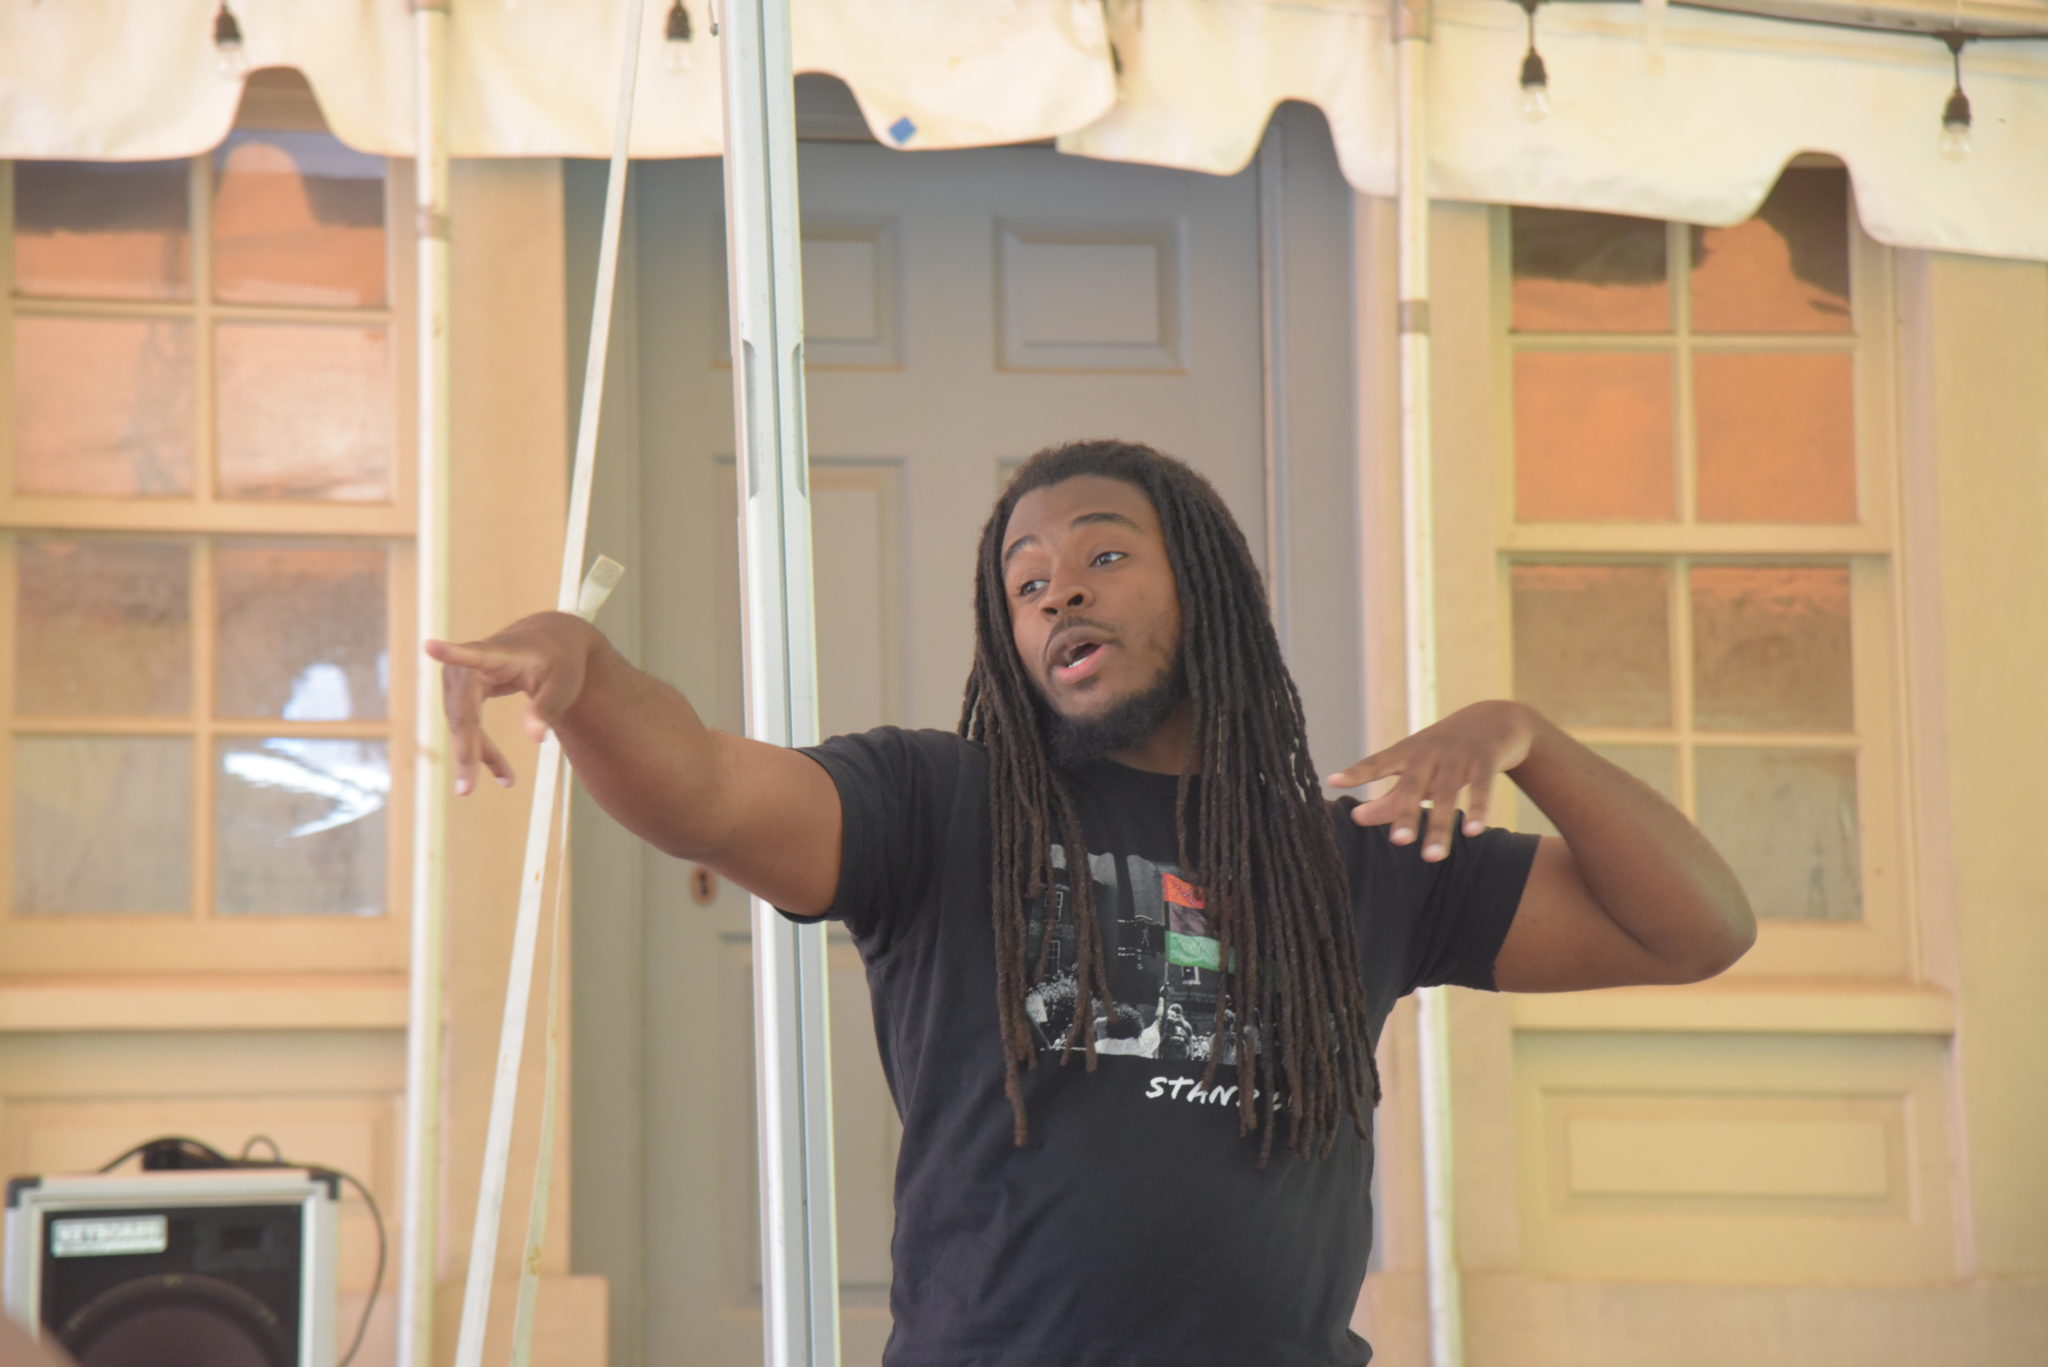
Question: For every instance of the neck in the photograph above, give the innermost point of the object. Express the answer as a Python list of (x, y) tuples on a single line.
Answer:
[(1169, 749)]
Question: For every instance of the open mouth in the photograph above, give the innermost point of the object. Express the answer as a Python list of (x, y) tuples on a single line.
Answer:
[(1078, 658)]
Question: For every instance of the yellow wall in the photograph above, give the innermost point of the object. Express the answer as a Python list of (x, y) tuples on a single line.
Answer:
[(1988, 367)]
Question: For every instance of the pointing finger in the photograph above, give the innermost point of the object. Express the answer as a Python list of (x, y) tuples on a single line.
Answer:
[(465, 656)]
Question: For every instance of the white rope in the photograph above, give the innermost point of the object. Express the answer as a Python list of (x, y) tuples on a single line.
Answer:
[(573, 596)]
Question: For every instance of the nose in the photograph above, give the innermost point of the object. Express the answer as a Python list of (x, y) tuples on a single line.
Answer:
[(1061, 598)]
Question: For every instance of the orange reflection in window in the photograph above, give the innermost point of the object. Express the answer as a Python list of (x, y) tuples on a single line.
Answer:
[(1593, 437), (1785, 270), (298, 219), (1777, 437), (102, 230)]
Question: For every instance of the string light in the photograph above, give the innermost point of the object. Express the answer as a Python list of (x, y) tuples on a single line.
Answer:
[(1955, 115), (675, 56), (228, 58), (1535, 79)]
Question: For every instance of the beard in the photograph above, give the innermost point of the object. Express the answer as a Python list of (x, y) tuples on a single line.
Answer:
[(1076, 741)]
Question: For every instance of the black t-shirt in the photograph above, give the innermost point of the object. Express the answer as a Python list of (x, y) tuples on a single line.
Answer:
[(1134, 1229)]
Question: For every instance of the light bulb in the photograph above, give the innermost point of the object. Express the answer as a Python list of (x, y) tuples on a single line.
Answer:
[(675, 53), (1535, 87), (228, 58), (1955, 126)]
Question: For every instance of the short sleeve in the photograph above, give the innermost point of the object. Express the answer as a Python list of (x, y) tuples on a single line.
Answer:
[(898, 793), (1445, 921)]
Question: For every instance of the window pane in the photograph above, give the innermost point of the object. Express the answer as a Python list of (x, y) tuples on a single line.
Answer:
[(1593, 437), (1592, 643), (1785, 820), (102, 407), (1777, 437), (301, 631), (300, 827), (104, 628), (1656, 765), (102, 825), (102, 229), (305, 412), (297, 219), (1771, 648), (1581, 272), (1787, 269)]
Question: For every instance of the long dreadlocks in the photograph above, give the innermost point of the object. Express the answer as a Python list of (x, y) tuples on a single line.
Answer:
[(1282, 919)]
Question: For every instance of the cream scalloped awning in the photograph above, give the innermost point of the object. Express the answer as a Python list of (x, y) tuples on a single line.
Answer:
[(1680, 114)]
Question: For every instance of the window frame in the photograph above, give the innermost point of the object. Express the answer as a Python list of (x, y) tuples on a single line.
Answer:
[(201, 941), (1882, 945)]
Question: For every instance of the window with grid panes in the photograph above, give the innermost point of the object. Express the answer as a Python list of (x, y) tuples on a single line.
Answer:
[(207, 520), (1699, 573)]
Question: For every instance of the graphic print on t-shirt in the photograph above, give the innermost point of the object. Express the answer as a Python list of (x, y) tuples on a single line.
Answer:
[(1164, 966)]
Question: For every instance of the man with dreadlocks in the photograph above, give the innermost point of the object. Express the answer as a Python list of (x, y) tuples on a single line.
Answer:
[(1127, 823)]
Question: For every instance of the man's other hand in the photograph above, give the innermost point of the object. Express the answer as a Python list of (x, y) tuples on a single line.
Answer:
[(1460, 754)]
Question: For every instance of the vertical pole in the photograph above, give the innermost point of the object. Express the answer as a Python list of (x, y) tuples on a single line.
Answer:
[(1418, 547), (419, 1256), (799, 1276)]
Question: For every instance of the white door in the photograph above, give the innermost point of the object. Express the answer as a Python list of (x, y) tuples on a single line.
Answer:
[(962, 311)]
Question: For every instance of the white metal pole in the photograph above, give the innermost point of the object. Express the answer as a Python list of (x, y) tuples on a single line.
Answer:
[(1418, 548), (419, 1261), (793, 1091)]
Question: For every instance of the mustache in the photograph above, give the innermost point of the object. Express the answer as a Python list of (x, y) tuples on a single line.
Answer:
[(1078, 623)]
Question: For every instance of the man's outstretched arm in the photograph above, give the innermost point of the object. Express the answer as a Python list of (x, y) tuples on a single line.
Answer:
[(1631, 892), (764, 816)]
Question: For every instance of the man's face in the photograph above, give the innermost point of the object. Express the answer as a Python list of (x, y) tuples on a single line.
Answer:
[(1094, 610)]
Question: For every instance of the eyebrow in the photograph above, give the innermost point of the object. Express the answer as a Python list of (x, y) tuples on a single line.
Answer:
[(1085, 519)]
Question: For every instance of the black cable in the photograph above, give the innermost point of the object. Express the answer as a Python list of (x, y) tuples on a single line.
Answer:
[(377, 1280), (276, 1154), (183, 1151), (185, 1145)]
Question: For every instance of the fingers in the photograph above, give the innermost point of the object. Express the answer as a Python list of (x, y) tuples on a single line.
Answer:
[(1440, 813), (1423, 806), (464, 656), (494, 760), (1385, 764), (521, 659), (462, 698), (1478, 804)]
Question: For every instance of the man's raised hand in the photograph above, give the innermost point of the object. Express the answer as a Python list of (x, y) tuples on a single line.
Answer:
[(1461, 753), (543, 656)]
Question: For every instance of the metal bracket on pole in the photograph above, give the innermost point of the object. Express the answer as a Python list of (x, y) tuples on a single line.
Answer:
[(799, 1265)]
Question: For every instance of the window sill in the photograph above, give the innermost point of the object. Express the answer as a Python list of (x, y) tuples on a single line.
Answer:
[(281, 1001), (1781, 1007)]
